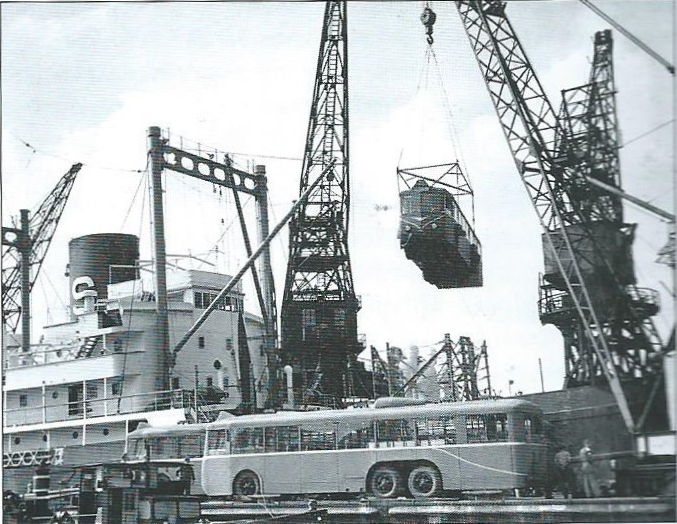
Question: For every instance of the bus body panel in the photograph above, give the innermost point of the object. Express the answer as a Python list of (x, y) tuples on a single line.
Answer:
[(283, 473), (319, 471)]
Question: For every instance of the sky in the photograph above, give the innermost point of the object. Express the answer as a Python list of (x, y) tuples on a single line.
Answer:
[(82, 82)]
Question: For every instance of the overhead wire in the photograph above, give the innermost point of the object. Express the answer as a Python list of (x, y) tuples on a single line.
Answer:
[(87, 164), (644, 47), (652, 130)]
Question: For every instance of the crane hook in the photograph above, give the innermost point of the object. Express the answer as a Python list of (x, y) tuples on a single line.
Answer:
[(428, 17)]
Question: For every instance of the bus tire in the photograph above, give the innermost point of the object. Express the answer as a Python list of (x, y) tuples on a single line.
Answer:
[(385, 482), (246, 484), (424, 482)]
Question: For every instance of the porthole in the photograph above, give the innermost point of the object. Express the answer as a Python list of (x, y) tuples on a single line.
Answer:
[(105, 431), (75, 434), (17, 440), (55, 394), (217, 364), (44, 437)]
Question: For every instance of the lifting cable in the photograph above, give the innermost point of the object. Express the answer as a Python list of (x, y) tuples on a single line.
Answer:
[(630, 36), (428, 18)]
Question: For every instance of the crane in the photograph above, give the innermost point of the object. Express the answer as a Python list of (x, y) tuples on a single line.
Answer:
[(319, 306), (27, 246), (613, 336)]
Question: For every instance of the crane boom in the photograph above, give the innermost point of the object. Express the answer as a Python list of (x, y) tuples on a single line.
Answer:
[(530, 126), (30, 241)]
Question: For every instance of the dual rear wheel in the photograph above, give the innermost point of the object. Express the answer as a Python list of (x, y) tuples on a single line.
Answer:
[(423, 481)]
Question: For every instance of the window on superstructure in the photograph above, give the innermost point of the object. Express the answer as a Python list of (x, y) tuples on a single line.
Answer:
[(116, 387), (129, 503), (201, 342), (23, 400), (92, 391), (75, 393), (176, 383), (210, 381)]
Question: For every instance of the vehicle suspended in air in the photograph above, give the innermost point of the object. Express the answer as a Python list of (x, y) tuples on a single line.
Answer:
[(434, 231)]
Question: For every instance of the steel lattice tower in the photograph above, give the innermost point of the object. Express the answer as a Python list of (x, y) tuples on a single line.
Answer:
[(588, 140), (319, 307), (587, 253)]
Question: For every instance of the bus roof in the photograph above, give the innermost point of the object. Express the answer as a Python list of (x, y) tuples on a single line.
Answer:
[(297, 417), (175, 429)]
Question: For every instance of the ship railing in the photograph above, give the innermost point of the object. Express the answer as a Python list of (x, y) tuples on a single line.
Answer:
[(92, 408)]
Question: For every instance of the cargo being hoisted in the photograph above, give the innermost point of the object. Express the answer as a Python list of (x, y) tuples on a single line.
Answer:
[(434, 232)]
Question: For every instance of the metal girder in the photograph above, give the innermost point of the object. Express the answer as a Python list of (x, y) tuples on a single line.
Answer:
[(530, 126), (210, 170)]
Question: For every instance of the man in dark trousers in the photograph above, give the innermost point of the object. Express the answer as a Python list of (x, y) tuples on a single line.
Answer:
[(564, 474), (186, 475)]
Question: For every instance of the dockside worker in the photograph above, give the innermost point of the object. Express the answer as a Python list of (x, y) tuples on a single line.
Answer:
[(564, 474), (588, 474), (186, 475)]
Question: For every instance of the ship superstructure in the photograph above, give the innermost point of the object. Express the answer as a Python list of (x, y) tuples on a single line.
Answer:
[(74, 397)]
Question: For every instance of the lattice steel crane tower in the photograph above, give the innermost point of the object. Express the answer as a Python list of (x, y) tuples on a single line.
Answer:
[(319, 306), (26, 249), (588, 141), (587, 247)]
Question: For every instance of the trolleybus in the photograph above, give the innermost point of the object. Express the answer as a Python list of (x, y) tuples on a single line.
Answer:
[(388, 451), (171, 446)]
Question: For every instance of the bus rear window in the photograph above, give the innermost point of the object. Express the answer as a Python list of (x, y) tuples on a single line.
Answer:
[(533, 428)]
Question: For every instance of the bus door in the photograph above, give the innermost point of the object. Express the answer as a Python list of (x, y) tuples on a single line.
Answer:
[(319, 459), (282, 470)]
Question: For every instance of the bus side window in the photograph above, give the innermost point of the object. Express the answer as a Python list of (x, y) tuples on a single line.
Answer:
[(435, 431), (475, 430), (217, 442), (287, 438), (318, 436), (356, 434), (270, 439), (395, 430), (189, 446)]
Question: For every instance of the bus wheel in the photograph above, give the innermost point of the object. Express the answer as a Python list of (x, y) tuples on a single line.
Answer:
[(246, 484), (385, 482), (424, 482)]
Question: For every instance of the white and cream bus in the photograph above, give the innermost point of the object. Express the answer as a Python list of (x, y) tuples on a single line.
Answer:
[(385, 450)]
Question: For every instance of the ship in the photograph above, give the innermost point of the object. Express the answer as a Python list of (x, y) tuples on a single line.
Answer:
[(73, 398)]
